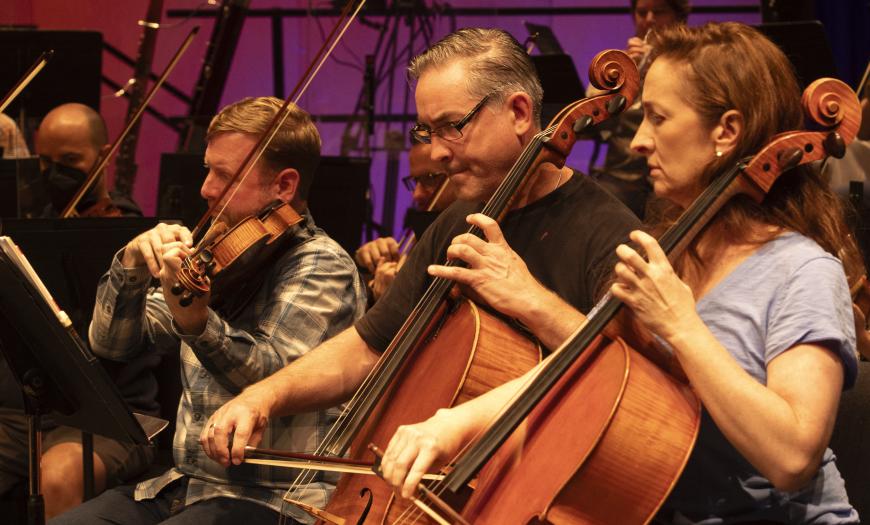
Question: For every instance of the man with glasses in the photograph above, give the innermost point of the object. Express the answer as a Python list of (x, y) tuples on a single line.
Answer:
[(478, 101), (431, 192)]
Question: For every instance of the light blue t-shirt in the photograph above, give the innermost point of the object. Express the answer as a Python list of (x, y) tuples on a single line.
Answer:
[(788, 292)]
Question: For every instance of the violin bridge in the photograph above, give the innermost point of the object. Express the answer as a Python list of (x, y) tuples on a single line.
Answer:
[(320, 514)]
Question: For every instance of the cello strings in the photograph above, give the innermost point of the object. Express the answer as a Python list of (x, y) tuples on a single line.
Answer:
[(363, 390), (499, 200)]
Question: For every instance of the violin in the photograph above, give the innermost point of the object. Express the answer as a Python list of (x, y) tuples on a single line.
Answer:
[(472, 350), (221, 247), (632, 424)]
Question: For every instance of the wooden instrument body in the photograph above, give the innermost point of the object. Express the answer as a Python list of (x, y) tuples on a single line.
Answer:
[(625, 432), (466, 352)]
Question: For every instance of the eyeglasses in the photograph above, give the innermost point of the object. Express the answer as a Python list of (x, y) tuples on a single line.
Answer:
[(451, 131), (428, 181)]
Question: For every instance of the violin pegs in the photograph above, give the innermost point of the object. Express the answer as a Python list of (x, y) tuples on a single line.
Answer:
[(616, 105), (581, 124), (789, 158), (186, 299), (176, 289), (834, 145)]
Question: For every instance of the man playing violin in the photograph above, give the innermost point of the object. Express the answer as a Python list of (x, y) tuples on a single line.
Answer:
[(305, 293), (427, 180), (478, 101), (70, 141)]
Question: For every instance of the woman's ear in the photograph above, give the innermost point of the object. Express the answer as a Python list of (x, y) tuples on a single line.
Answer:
[(727, 132)]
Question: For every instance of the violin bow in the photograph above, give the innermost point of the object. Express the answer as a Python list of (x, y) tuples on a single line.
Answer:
[(278, 120), (25, 80), (70, 210)]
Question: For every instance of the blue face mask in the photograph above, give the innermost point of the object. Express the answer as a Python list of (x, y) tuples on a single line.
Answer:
[(62, 183)]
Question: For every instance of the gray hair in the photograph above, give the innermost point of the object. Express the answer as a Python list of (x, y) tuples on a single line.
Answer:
[(497, 64)]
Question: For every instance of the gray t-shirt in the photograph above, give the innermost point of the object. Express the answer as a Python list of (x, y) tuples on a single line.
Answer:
[(788, 292)]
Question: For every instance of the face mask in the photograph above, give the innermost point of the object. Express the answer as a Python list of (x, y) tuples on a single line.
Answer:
[(63, 182)]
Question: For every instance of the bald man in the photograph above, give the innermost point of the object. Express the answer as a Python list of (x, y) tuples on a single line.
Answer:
[(380, 257), (69, 142)]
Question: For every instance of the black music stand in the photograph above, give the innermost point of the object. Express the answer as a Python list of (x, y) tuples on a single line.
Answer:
[(56, 371), (22, 192), (559, 78), (806, 46)]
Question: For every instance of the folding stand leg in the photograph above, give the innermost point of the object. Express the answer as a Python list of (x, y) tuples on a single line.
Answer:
[(35, 502), (87, 465)]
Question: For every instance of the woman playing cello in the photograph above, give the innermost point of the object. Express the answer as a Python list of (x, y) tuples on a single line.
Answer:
[(757, 312)]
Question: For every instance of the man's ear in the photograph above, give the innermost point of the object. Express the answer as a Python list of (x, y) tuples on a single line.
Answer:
[(286, 184), (727, 132), (520, 106)]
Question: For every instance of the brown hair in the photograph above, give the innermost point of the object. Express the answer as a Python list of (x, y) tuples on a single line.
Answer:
[(296, 145), (733, 66), (497, 64)]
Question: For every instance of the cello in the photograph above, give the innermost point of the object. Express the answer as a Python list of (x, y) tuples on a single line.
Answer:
[(392, 394), (612, 471)]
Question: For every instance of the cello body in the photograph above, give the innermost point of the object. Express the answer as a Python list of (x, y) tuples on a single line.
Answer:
[(605, 446), (467, 352)]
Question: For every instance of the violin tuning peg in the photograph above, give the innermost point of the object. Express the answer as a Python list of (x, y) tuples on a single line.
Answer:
[(834, 145), (186, 299), (581, 124), (616, 105), (176, 289), (789, 158)]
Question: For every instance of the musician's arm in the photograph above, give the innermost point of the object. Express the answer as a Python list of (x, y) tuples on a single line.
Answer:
[(313, 292), (325, 376)]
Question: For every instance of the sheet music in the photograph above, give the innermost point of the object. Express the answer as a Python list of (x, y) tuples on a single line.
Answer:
[(16, 256)]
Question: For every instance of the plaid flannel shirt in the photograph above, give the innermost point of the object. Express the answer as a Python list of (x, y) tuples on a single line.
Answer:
[(309, 295)]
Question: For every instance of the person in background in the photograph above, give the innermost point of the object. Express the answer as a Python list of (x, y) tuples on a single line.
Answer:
[(69, 142), (12, 141), (427, 180), (624, 172)]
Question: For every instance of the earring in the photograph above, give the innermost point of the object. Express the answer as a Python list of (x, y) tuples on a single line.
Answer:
[(718, 153)]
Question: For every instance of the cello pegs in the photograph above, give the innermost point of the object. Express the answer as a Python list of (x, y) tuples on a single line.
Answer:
[(834, 145), (789, 158), (176, 289), (616, 105), (581, 124)]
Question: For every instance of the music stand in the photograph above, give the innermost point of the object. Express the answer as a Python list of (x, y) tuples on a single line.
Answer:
[(806, 46), (559, 78), (57, 372), (22, 193)]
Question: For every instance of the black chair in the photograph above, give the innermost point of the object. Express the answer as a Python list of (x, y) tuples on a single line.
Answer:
[(851, 440)]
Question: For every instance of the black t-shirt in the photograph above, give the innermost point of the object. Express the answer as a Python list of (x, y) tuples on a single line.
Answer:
[(567, 239)]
